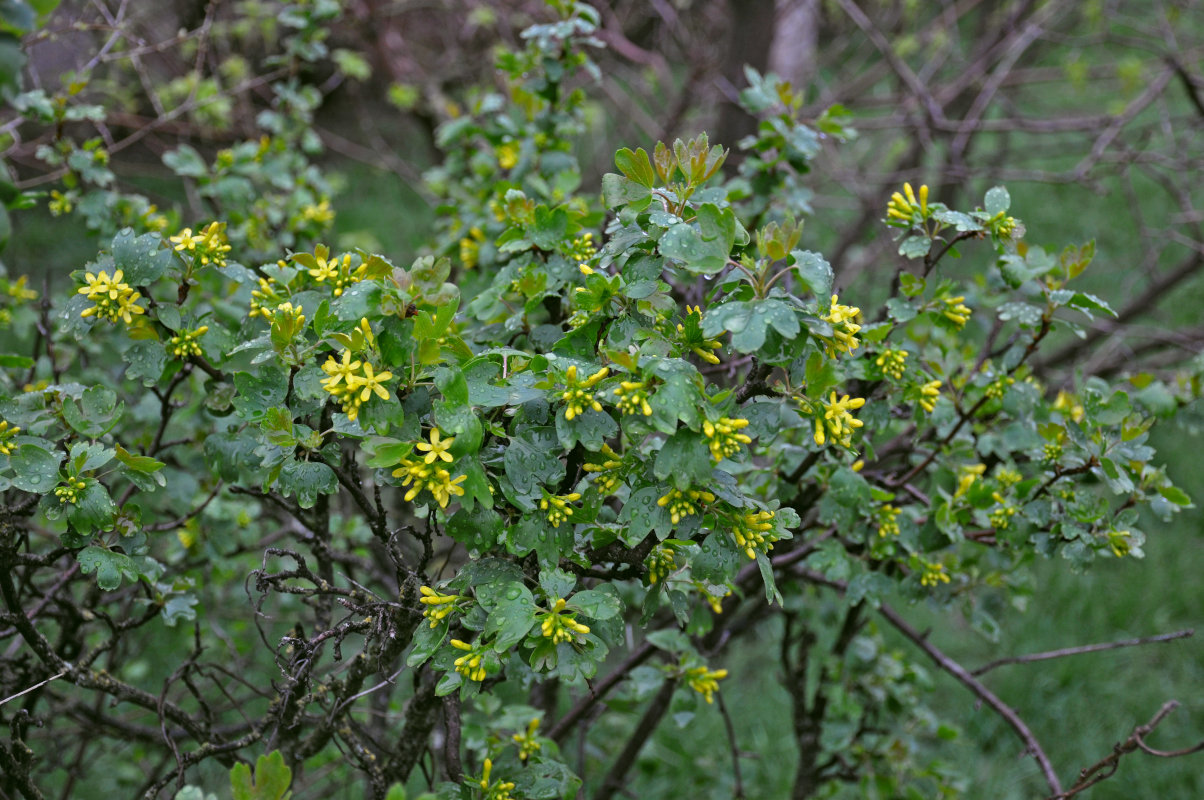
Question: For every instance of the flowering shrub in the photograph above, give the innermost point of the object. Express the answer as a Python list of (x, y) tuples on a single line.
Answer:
[(575, 452)]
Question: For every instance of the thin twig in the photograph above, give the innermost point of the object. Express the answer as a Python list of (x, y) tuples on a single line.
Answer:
[(1087, 648)]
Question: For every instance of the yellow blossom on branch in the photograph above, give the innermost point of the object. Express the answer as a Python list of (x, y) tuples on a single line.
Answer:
[(185, 344), (956, 310), (705, 681), (633, 398), (909, 208), (562, 627), (472, 664), (113, 299), (844, 330), (558, 507), (683, 504), (933, 573), (7, 433), (753, 531), (837, 421), (577, 395), (437, 448), (892, 363), (724, 437), (528, 745), (437, 605)]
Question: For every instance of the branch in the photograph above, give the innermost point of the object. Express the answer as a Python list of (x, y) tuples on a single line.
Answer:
[(1106, 767), (1087, 648), (983, 693), (648, 723)]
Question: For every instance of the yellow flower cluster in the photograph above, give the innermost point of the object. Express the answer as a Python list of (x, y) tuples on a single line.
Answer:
[(558, 507), (1066, 405), (892, 363), (497, 791), (207, 246), (724, 437), (838, 422), (888, 520), (705, 681), (471, 665), (337, 271), (185, 344), (1119, 543), (582, 250), (419, 475), (956, 310), (1052, 451), (353, 383), (929, 392), (113, 298), (577, 395), (437, 605), (18, 290), (7, 434), (753, 530), (68, 492), (1001, 516), (660, 563), (933, 573), (683, 504), (967, 475), (561, 627), (996, 388), (905, 208), (633, 398), (608, 468), (470, 247), (699, 345), (319, 214), (844, 330), (507, 154), (528, 745), (265, 299)]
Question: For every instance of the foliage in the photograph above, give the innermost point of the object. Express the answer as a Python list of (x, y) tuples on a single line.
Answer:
[(550, 471)]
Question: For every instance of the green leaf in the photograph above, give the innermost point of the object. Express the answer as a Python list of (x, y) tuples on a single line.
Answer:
[(511, 618), (591, 428), (642, 515), (146, 361), (186, 162), (620, 191), (747, 321), (703, 249), (110, 567), (143, 259), (93, 509), (915, 246), (814, 272), (550, 228), (452, 385), (427, 640), (37, 470), (601, 603), (997, 201), (1175, 495), (307, 480), (98, 411), (636, 166), (260, 391), (684, 460), (478, 529), (11, 361), (531, 460), (272, 779)]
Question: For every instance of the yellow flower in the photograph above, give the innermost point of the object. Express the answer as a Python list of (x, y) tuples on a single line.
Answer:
[(705, 681), (837, 421), (113, 298), (561, 627), (1119, 543), (320, 214), (683, 504), (660, 563), (753, 530), (437, 448), (969, 473), (470, 247), (888, 520), (419, 475), (507, 155), (1067, 406), (494, 791), (7, 434), (892, 363), (528, 745), (1001, 516), (557, 507), (844, 330), (906, 209), (933, 573), (956, 310), (185, 344), (724, 437), (437, 605), (184, 240), (374, 383), (472, 665), (576, 396), (929, 392), (633, 398)]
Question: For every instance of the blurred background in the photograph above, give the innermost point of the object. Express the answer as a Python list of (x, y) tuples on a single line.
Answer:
[(1091, 113)]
